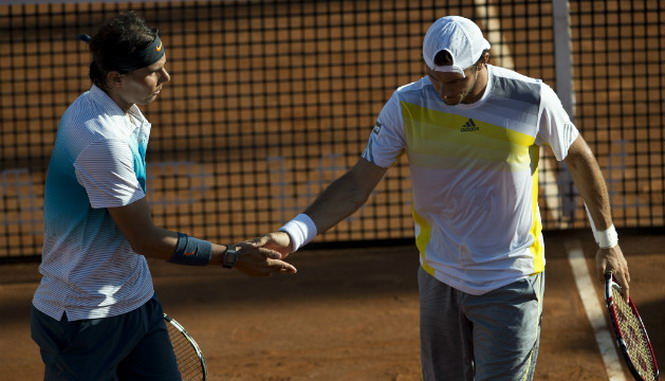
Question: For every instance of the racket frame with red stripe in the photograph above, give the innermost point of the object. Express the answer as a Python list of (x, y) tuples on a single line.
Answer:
[(620, 336)]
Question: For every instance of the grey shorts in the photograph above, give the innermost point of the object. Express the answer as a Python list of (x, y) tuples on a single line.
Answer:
[(493, 336), (132, 346)]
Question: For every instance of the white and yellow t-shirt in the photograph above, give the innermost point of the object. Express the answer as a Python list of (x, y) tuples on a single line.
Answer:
[(474, 170)]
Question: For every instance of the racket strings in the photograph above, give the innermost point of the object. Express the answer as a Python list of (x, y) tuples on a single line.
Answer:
[(635, 339), (188, 359)]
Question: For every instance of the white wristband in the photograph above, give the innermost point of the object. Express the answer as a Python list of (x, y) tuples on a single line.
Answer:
[(605, 239), (301, 229)]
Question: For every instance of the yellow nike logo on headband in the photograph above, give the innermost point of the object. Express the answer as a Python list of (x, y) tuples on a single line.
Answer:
[(159, 48)]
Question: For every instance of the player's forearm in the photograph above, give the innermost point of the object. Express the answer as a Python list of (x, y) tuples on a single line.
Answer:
[(593, 191), (589, 181), (179, 248), (147, 239), (334, 204), (591, 185), (341, 199)]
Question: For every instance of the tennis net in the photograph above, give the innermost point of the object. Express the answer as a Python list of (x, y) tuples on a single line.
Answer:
[(272, 100)]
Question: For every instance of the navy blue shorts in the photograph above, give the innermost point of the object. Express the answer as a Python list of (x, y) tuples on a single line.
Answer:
[(132, 346)]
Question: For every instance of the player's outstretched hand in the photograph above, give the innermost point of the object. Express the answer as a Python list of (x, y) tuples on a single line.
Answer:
[(260, 261), (277, 241), (612, 261)]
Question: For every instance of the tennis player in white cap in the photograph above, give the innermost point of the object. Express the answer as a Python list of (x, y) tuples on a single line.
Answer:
[(473, 134)]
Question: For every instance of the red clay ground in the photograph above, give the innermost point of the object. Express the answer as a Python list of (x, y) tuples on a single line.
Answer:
[(348, 314)]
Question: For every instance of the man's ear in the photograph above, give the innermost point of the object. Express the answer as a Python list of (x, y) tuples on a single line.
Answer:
[(482, 61), (486, 57), (114, 79)]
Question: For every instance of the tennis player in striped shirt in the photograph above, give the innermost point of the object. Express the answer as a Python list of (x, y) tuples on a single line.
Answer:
[(472, 133), (95, 312)]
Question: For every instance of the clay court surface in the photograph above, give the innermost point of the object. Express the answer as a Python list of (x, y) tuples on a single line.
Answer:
[(349, 314)]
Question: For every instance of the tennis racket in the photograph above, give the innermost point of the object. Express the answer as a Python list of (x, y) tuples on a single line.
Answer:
[(190, 359), (630, 334)]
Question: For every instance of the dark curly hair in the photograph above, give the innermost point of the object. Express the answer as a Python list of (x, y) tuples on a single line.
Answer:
[(117, 38)]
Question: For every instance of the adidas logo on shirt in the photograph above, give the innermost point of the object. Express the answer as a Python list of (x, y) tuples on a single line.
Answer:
[(469, 126)]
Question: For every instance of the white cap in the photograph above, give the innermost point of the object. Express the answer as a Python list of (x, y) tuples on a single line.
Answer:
[(460, 37)]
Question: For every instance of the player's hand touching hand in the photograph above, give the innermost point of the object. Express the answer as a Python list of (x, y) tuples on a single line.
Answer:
[(612, 260), (276, 241), (260, 261)]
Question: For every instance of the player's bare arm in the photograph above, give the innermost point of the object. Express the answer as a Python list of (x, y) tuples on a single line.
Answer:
[(339, 200), (589, 181), (135, 222), (345, 195)]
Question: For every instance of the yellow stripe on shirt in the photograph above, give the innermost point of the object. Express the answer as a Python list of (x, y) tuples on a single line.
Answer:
[(537, 248), (424, 235), (438, 139)]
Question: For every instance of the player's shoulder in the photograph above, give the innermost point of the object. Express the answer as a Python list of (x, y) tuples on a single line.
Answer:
[(504, 73), (510, 84), (88, 120), (414, 86), (412, 92)]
